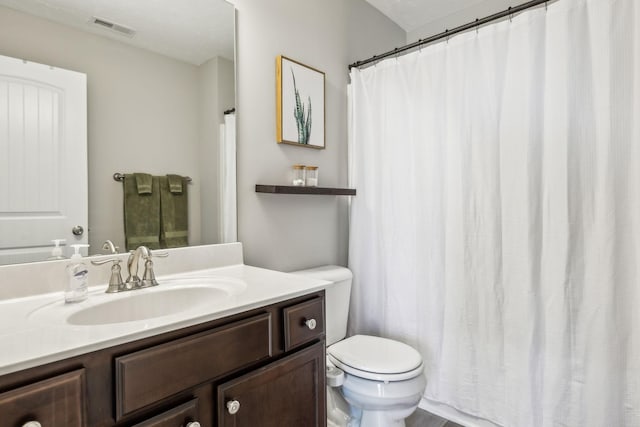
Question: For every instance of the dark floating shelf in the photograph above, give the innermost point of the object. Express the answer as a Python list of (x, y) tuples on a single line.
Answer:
[(290, 189)]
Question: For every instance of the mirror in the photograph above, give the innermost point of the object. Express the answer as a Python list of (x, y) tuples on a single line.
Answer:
[(160, 76)]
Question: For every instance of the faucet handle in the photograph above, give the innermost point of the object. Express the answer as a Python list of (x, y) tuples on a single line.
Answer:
[(115, 281), (104, 261), (149, 277), (159, 254)]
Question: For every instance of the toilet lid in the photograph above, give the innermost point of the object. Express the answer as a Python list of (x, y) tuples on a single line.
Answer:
[(376, 358)]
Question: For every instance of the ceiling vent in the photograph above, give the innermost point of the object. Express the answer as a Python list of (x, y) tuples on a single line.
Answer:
[(120, 29)]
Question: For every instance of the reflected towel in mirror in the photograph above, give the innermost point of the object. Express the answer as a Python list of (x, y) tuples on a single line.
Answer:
[(175, 183), (174, 213), (141, 214), (143, 183)]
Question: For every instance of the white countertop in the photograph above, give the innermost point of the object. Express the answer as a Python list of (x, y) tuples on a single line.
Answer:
[(29, 338)]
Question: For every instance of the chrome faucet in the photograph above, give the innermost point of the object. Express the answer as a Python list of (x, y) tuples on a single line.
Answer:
[(148, 278), (116, 284)]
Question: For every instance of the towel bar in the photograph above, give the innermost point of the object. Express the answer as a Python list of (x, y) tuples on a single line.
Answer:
[(120, 177)]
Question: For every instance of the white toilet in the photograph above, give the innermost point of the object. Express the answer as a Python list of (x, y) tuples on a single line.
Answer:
[(371, 381)]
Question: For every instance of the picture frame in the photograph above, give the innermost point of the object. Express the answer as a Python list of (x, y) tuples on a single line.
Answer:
[(300, 104)]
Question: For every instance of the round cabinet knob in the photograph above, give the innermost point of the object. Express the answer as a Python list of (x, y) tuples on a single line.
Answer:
[(193, 424), (77, 230), (311, 324), (233, 406), (32, 424)]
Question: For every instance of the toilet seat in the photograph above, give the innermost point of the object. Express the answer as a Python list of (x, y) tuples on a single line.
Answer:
[(376, 358)]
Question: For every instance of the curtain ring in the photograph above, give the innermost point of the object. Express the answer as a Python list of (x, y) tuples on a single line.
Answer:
[(477, 26), (420, 46), (546, 6), (510, 15), (447, 33)]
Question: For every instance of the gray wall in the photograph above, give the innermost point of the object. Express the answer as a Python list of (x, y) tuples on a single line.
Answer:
[(286, 232)]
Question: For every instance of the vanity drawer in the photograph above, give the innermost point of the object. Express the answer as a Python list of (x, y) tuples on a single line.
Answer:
[(54, 402), (179, 416), (303, 322), (150, 375)]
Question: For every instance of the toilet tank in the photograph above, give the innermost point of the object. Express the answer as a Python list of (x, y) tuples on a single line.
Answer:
[(337, 297)]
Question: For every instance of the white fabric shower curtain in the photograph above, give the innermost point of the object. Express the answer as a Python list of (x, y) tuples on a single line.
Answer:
[(497, 222), (228, 199)]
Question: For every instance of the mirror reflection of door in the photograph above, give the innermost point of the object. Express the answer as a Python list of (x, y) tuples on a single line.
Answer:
[(43, 159)]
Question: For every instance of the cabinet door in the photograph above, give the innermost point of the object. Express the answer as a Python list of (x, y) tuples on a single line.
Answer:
[(55, 402), (286, 393)]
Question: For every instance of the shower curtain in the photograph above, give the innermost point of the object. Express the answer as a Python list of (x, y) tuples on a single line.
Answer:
[(497, 222), (228, 206)]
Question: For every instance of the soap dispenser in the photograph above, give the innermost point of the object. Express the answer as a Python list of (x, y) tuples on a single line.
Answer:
[(56, 252), (78, 275)]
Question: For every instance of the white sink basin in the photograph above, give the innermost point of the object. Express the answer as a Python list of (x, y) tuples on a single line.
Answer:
[(135, 307), (171, 297)]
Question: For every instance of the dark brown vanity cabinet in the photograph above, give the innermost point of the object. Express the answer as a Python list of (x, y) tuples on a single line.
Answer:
[(263, 367)]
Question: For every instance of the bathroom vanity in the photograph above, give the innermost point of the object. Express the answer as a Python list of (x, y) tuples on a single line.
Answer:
[(254, 358)]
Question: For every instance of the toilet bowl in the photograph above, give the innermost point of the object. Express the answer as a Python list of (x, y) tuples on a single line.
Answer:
[(371, 381)]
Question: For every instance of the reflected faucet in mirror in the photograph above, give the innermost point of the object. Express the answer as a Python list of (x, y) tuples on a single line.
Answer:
[(110, 247)]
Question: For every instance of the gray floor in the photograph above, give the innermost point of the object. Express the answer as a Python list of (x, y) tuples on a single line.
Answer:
[(422, 418)]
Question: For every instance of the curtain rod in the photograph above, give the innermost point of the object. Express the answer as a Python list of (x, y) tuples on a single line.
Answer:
[(448, 33)]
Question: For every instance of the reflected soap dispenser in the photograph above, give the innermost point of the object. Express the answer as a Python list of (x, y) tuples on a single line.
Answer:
[(56, 252), (78, 275)]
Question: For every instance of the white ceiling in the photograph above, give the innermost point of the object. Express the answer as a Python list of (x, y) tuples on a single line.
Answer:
[(189, 30), (410, 15)]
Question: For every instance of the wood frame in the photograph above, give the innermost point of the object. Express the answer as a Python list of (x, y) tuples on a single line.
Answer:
[(297, 91)]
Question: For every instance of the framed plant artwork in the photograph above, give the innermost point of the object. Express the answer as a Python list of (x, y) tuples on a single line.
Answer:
[(299, 104)]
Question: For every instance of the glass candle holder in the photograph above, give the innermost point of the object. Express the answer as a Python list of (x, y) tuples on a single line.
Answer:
[(298, 175), (311, 176)]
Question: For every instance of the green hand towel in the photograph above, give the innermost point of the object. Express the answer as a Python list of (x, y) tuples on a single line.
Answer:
[(175, 183), (141, 214), (143, 183), (174, 213)]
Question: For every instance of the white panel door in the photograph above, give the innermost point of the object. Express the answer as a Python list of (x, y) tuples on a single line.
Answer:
[(43, 159)]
